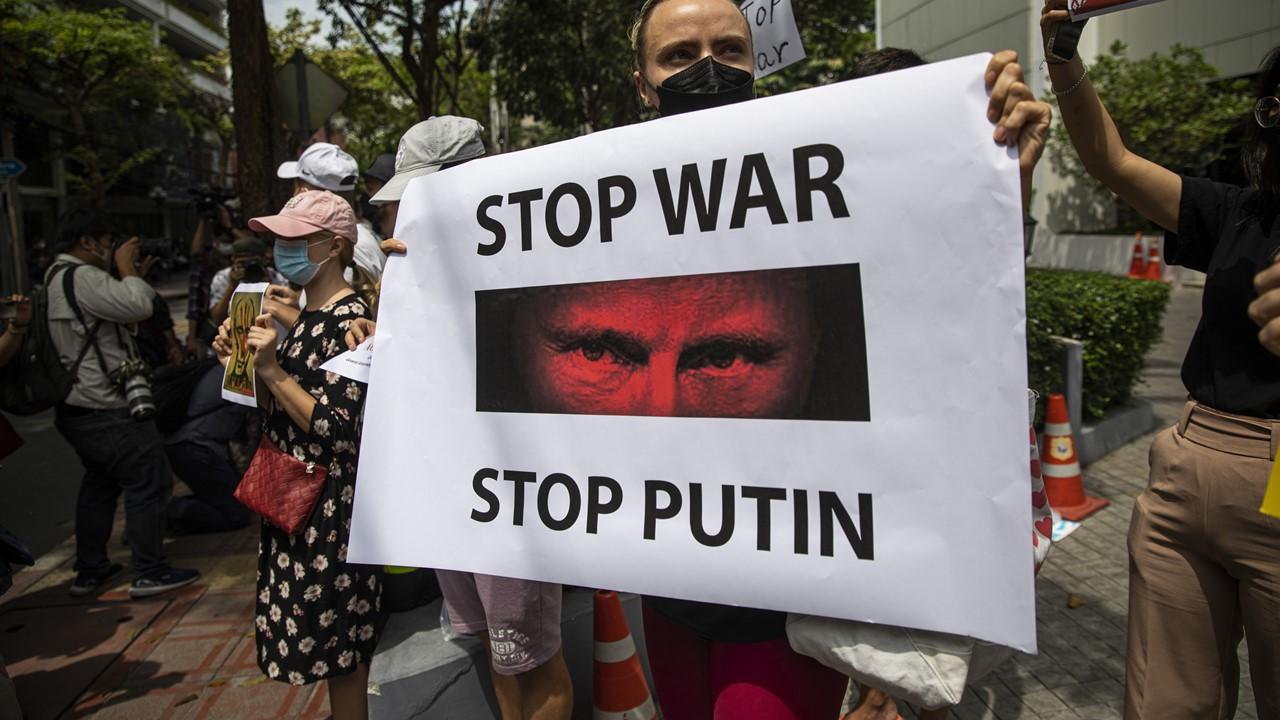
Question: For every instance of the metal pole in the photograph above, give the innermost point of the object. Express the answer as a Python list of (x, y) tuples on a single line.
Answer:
[(304, 106)]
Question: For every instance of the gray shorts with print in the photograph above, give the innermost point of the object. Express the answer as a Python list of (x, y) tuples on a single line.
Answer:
[(522, 617)]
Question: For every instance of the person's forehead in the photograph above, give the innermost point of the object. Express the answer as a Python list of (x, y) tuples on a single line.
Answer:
[(682, 20), (779, 291)]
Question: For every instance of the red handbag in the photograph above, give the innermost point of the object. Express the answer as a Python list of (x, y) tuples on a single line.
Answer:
[(281, 488)]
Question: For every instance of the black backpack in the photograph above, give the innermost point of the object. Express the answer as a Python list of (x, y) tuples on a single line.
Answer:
[(35, 379)]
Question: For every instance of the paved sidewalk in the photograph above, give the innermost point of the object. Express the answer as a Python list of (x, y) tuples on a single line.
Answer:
[(190, 655), (1079, 672)]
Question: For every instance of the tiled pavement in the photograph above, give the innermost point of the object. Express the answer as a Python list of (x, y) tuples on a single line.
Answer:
[(191, 655), (188, 655), (1082, 591)]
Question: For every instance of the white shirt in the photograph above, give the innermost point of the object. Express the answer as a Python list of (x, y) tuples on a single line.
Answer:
[(116, 303), (221, 283), (368, 251)]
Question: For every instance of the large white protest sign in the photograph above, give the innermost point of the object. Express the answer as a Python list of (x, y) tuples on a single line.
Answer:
[(774, 34), (782, 369)]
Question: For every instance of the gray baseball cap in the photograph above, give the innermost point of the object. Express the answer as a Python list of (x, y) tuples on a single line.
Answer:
[(429, 145)]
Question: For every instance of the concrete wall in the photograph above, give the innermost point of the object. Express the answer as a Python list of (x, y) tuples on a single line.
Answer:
[(1234, 34), (1102, 253), (943, 29)]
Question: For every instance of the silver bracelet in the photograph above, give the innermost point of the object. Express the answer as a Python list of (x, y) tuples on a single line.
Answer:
[(1073, 88)]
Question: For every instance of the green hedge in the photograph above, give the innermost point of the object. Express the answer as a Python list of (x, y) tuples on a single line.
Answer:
[(1117, 319)]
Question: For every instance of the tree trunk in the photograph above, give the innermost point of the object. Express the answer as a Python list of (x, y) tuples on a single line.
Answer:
[(259, 144)]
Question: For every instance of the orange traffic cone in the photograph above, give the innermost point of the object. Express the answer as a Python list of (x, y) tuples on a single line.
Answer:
[(1062, 480), (1155, 268), (1138, 266), (620, 690)]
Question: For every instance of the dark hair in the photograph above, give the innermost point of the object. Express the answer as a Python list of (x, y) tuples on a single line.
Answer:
[(882, 61), (75, 224), (642, 19), (1261, 155)]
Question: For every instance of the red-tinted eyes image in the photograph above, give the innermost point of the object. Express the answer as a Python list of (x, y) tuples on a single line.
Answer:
[(758, 344)]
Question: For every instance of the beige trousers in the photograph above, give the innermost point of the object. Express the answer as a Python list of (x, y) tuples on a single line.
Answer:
[(1204, 569)]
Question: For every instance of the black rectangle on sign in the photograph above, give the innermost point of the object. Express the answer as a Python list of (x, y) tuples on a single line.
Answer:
[(779, 344)]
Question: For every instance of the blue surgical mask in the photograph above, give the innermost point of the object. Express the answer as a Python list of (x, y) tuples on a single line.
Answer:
[(294, 262)]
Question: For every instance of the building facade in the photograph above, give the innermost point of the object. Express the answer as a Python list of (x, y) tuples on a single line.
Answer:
[(154, 203), (1233, 34)]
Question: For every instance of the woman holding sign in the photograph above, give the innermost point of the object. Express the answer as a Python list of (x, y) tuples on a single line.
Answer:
[(1204, 562), (712, 661), (317, 615)]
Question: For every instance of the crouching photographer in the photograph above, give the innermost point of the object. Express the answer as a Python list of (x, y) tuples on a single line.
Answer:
[(107, 417), (199, 452), (249, 264)]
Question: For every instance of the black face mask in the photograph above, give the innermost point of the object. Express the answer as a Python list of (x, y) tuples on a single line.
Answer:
[(704, 84)]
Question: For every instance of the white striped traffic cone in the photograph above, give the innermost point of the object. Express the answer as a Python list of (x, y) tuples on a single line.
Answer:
[(1062, 479), (620, 691)]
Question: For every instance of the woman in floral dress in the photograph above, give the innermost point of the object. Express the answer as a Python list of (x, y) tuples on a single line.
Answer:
[(316, 614)]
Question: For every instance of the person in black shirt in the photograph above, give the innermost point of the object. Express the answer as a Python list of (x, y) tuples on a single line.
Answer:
[(1204, 562), (1264, 165)]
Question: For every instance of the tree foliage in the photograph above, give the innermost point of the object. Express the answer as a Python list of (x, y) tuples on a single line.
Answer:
[(834, 33), (106, 77), (570, 67), (1167, 108), (419, 44), (376, 112)]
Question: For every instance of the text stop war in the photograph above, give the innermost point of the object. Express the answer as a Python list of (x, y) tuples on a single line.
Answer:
[(615, 196), (561, 502)]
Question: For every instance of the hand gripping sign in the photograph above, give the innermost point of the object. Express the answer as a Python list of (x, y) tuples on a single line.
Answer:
[(781, 368)]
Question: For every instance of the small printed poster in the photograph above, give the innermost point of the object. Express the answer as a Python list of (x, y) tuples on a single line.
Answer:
[(238, 381)]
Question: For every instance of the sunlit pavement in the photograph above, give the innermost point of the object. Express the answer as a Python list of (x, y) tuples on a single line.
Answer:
[(190, 654)]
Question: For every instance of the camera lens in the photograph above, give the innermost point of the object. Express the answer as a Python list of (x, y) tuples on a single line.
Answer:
[(137, 390)]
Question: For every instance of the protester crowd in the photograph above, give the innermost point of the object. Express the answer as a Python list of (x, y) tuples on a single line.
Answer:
[(140, 408)]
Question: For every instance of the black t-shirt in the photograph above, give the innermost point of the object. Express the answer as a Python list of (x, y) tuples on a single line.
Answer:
[(722, 623), (1225, 232), (151, 341)]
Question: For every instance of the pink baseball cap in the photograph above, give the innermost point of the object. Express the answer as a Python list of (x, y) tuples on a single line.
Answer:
[(310, 212)]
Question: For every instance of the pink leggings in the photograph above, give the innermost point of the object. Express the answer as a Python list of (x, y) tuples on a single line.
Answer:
[(700, 679)]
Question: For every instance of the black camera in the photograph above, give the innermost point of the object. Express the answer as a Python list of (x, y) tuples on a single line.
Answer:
[(254, 272), (208, 199), (156, 247)]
